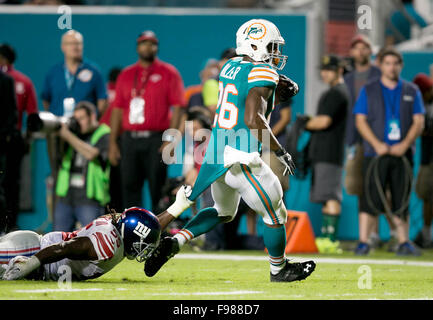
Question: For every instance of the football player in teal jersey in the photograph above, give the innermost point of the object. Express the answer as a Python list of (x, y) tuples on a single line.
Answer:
[(232, 165)]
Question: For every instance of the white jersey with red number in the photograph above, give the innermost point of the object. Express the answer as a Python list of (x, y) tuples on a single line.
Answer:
[(108, 246)]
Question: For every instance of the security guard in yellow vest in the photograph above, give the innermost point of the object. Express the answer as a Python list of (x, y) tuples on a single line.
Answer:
[(83, 179)]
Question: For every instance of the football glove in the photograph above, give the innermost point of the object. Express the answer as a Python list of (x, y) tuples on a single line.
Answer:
[(286, 159), (20, 266), (286, 88), (182, 202)]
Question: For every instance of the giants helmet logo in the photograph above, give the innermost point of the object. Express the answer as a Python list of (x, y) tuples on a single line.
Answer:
[(141, 230)]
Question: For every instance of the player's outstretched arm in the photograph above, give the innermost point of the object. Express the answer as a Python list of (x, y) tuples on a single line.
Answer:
[(79, 248), (175, 210)]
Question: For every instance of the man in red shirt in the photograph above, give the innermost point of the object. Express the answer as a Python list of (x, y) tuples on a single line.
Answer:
[(17, 146), (149, 100), (24, 89)]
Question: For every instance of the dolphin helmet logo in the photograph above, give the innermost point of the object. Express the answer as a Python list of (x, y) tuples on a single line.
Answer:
[(256, 31)]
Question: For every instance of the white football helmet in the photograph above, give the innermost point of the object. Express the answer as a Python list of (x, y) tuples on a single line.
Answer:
[(261, 40)]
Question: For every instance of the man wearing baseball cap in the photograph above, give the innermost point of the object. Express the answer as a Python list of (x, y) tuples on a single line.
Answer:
[(148, 101), (363, 71), (147, 35), (326, 151)]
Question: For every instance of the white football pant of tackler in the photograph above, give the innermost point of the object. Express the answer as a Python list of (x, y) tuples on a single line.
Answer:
[(18, 243)]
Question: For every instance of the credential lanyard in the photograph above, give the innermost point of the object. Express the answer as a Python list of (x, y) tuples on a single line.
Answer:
[(70, 78), (142, 84), (393, 103)]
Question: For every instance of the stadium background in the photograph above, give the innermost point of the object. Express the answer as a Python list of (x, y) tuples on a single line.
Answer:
[(187, 38)]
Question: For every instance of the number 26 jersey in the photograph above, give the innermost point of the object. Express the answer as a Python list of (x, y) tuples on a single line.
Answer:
[(236, 79)]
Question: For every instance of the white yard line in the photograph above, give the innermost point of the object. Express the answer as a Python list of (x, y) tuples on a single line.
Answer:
[(57, 290), (64, 290), (233, 257), (220, 293)]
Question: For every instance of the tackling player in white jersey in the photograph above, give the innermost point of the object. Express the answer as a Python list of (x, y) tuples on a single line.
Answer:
[(89, 252)]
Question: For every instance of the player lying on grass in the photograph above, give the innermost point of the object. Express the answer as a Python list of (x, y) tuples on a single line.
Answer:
[(89, 252), (232, 164)]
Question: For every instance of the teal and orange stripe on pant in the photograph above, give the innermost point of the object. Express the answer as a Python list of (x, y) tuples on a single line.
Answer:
[(263, 196)]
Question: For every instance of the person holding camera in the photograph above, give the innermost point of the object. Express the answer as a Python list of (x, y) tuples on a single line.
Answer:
[(83, 178)]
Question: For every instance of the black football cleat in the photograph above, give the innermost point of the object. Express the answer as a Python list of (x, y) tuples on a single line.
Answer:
[(166, 250), (294, 271)]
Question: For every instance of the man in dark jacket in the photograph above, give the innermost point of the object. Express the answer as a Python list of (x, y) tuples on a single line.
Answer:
[(389, 116)]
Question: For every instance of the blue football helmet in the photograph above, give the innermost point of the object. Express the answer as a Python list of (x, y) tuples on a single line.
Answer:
[(141, 231)]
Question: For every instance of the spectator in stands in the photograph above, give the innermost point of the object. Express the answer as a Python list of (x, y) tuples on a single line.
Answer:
[(424, 184), (17, 145), (8, 122), (68, 82), (327, 151), (145, 93), (389, 116), (83, 179)]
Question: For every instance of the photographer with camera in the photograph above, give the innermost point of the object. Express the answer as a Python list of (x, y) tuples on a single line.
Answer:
[(83, 178)]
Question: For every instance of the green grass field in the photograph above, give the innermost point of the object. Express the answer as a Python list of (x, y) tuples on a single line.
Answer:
[(244, 275)]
